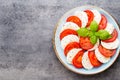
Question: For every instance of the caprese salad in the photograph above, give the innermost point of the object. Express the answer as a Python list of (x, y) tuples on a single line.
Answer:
[(88, 39)]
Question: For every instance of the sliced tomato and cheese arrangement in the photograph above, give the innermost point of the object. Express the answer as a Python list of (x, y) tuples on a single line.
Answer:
[(88, 39)]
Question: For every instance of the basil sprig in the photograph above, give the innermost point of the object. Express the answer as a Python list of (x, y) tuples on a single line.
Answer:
[(93, 33)]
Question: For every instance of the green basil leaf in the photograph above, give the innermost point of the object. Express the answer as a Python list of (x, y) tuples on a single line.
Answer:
[(103, 34), (94, 26), (91, 33), (97, 34), (93, 39), (83, 32)]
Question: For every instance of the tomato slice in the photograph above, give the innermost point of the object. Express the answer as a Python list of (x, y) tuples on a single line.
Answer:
[(90, 16), (85, 43), (106, 52), (67, 32), (103, 22), (71, 46), (94, 61), (74, 19), (77, 60), (114, 36)]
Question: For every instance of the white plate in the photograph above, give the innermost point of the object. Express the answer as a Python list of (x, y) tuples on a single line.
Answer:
[(60, 53)]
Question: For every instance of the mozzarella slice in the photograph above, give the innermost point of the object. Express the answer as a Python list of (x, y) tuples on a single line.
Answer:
[(109, 28), (100, 57), (97, 16), (110, 45), (83, 17), (86, 62), (71, 54), (95, 46), (67, 39), (70, 25)]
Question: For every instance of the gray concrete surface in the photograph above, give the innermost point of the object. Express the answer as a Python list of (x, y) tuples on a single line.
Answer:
[(26, 30)]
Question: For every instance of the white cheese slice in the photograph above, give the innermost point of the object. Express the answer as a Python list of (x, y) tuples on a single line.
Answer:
[(71, 54), (83, 17), (100, 57), (67, 39), (110, 45), (109, 28), (86, 62), (70, 25), (97, 16)]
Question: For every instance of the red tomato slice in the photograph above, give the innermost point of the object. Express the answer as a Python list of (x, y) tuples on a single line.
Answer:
[(106, 52), (77, 60), (103, 22), (71, 46), (114, 36), (85, 43), (94, 61), (74, 19), (67, 32), (90, 16)]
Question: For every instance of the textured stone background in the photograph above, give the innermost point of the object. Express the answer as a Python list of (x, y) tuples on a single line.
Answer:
[(26, 30)]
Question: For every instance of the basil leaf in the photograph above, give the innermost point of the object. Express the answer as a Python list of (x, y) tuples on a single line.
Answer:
[(97, 34), (93, 39), (94, 26), (91, 33), (103, 34), (83, 32)]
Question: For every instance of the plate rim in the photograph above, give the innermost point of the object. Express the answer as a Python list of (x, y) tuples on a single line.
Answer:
[(54, 46)]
